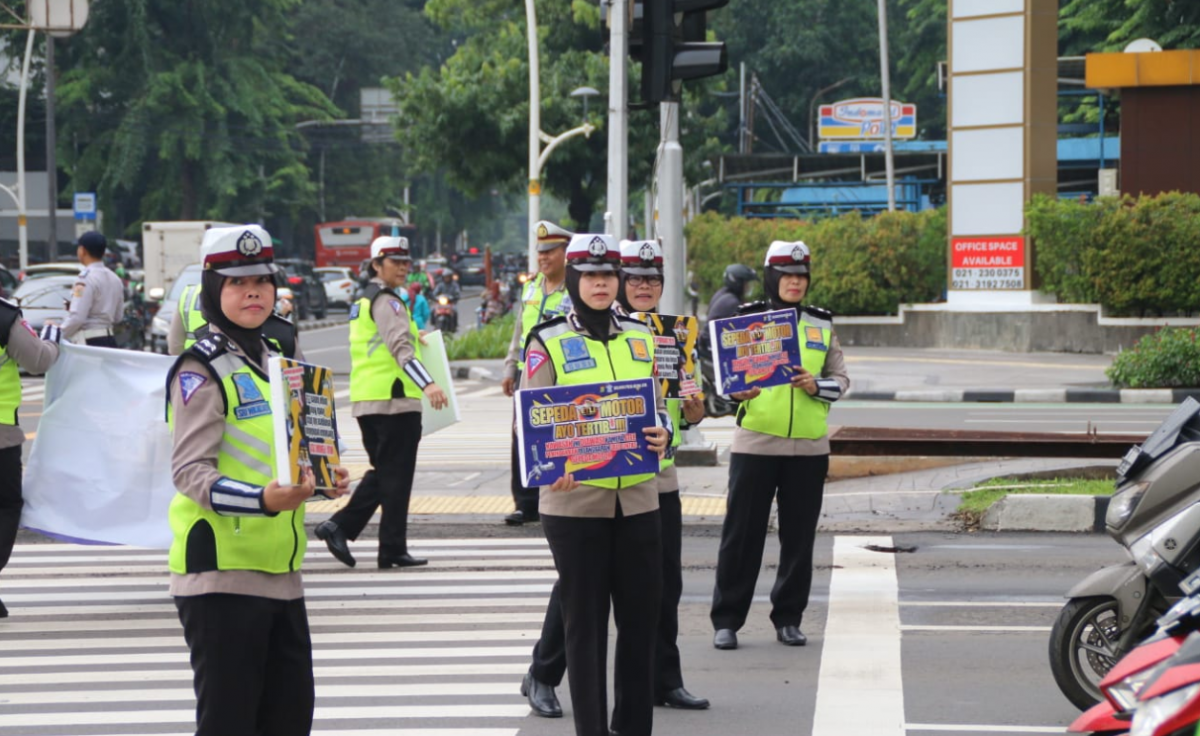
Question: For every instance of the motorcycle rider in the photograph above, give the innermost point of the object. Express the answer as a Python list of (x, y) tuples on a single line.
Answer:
[(725, 300), (543, 298)]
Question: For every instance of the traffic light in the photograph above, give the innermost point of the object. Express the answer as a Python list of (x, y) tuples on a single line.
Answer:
[(673, 46)]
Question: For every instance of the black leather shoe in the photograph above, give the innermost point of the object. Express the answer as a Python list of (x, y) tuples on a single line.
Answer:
[(335, 540), (681, 698), (3, 610), (725, 639), (404, 560), (519, 517), (791, 636), (541, 697)]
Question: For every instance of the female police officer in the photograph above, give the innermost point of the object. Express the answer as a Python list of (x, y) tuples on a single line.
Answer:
[(387, 380), (780, 451), (604, 534), (641, 289), (239, 534)]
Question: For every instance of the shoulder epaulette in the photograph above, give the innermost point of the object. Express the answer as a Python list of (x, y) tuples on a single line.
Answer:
[(211, 347), (820, 313), (753, 307), (541, 327), (281, 334)]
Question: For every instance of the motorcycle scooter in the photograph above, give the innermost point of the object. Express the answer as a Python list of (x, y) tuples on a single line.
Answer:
[(1155, 515)]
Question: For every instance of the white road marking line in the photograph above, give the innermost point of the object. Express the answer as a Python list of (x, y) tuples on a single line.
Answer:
[(382, 732), (402, 590), (469, 478), (156, 577), (184, 673), (980, 604), (465, 546), (318, 640), (180, 657), (188, 715), (149, 695), (314, 622), (860, 656), (983, 729), (1031, 420), (167, 608), (980, 629)]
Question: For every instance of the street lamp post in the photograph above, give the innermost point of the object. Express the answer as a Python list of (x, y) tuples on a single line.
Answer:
[(537, 156)]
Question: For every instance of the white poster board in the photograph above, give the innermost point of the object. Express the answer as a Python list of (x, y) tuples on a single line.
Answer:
[(433, 357)]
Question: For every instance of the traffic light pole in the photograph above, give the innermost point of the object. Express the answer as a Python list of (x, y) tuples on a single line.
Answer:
[(670, 209), (616, 218)]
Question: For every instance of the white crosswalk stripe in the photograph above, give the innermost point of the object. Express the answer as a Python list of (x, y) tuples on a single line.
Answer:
[(93, 646)]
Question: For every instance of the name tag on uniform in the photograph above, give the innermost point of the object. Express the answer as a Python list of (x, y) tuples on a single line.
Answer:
[(576, 354), (814, 340), (251, 402)]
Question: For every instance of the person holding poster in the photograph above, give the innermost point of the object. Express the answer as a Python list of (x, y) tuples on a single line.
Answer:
[(238, 533), (780, 452), (604, 534), (387, 380)]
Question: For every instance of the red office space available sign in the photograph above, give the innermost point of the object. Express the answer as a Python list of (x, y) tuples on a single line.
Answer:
[(987, 263)]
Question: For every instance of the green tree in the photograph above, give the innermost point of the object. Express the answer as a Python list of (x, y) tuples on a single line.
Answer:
[(1108, 25), (184, 109)]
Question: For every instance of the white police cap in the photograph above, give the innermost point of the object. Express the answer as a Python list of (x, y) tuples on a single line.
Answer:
[(641, 257), (550, 236), (244, 250), (594, 252), (788, 256), (391, 246)]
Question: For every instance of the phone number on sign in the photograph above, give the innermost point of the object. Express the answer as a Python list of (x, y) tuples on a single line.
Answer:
[(988, 273), (988, 284)]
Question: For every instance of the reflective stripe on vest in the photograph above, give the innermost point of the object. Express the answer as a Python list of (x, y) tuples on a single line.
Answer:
[(272, 544), (189, 312), (10, 386), (373, 369), (612, 360), (783, 411), (539, 307)]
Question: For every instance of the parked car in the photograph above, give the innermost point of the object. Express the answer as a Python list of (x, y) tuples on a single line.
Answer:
[(58, 268), (127, 251), (339, 284), (48, 299), (300, 277), (160, 326)]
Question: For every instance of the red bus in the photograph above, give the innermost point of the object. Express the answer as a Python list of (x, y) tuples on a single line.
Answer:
[(348, 243)]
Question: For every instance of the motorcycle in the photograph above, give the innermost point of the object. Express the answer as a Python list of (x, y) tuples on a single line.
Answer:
[(445, 314), (1155, 515)]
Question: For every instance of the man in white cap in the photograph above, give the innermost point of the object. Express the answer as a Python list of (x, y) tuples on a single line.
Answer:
[(543, 298)]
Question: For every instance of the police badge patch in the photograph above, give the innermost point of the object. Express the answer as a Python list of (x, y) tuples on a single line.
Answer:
[(247, 389), (576, 354), (598, 248), (249, 245), (189, 382), (813, 338), (639, 350)]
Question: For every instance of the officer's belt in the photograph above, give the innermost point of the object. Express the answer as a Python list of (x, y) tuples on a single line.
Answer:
[(90, 334)]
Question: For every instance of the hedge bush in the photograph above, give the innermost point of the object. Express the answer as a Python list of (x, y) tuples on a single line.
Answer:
[(1169, 358), (489, 341), (1136, 257), (860, 265)]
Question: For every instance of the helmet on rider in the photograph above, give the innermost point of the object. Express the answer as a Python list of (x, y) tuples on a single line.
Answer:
[(736, 278)]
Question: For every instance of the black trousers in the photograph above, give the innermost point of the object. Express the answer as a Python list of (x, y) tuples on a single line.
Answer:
[(797, 484), (252, 661), (549, 652), (391, 442), (108, 341), (10, 500), (601, 561), (524, 498)]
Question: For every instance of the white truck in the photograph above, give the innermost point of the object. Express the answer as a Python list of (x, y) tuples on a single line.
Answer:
[(169, 246)]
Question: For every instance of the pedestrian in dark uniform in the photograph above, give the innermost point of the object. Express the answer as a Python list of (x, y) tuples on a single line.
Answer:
[(98, 297), (20, 347), (542, 298), (640, 290), (780, 452), (604, 534), (387, 381), (239, 533)]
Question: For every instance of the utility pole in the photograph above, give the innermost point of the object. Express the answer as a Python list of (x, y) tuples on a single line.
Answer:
[(889, 162), (670, 209), (616, 219), (51, 155)]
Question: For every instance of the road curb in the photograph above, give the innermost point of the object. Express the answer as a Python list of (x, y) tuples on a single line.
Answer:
[(318, 324), (1034, 396), (1046, 513), (473, 373)]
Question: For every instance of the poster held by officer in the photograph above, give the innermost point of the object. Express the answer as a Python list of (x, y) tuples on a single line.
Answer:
[(591, 430), (305, 421), (754, 350), (433, 357), (675, 339)]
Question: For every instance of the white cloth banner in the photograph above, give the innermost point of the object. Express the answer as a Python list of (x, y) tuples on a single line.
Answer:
[(100, 468)]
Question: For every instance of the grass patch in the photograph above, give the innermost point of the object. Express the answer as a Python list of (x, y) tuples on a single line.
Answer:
[(975, 501), (490, 341)]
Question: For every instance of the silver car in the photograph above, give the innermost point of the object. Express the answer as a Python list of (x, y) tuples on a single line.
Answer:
[(160, 326)]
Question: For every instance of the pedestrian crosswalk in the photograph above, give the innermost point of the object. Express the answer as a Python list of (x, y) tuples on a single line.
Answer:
[(93, 646)]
